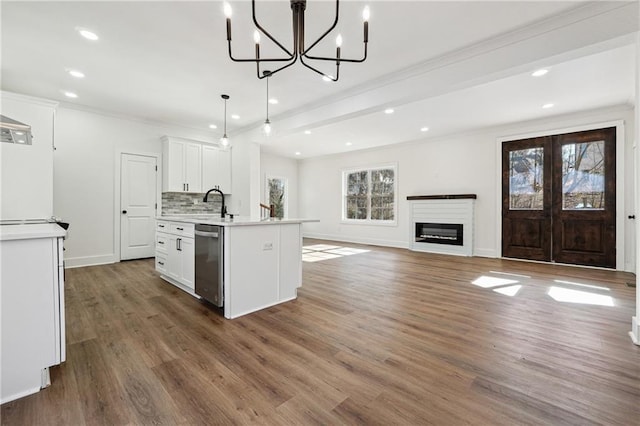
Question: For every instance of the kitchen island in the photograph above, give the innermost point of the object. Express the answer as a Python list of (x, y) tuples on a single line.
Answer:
[(261, 259)]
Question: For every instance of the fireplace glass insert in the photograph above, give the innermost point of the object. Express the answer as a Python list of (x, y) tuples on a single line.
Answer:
[(439, 233)]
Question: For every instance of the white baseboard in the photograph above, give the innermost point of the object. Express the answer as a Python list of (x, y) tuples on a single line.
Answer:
[(371, 241), (386, 243), (77, 262), (484, 252)]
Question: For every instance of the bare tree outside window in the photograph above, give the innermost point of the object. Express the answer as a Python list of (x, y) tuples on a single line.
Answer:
[(583, 176), (526, 183), (277, 195), (370, 195)]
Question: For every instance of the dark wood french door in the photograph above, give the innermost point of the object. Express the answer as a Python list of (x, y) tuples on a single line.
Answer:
[(559, 198)]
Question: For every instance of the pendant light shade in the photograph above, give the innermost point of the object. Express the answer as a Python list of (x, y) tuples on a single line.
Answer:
[(266, 128), (224, 141)]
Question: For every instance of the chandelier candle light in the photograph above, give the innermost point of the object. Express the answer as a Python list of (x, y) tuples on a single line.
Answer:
[(299, 50)]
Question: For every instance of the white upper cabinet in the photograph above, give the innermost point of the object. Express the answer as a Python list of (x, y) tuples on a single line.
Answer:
[(182, 161), (216, 169)]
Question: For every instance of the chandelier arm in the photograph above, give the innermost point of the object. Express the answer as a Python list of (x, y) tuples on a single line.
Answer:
[(323, 58), (320, 72), (281, 68), (258, 60), (265, 32), (335, 22)]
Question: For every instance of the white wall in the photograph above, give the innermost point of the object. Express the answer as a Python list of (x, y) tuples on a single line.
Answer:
[(461, 164), (277, 166), (85, 177), (27, 170)]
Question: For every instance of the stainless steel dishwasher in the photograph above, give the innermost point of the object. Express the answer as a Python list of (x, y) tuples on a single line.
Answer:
[(209, 263)]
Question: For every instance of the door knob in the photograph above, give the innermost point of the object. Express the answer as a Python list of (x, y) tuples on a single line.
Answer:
[(124, 212)]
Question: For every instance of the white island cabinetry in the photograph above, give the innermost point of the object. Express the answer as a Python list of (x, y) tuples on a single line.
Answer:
[(262, 260)]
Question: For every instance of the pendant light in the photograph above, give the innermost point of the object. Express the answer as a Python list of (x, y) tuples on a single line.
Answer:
[(224, 142), (266, 128)]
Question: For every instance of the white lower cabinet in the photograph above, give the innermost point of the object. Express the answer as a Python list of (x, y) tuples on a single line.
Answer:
[(175, 254)]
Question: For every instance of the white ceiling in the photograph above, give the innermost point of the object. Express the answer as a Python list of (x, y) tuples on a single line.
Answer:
[(451, 66)]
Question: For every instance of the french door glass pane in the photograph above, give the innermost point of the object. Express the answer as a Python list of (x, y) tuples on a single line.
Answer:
[(583, 176), (526, 179)]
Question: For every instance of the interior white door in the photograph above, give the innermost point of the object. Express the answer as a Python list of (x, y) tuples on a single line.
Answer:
[(138, 176)]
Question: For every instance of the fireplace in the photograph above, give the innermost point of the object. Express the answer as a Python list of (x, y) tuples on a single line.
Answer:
[(439, 233), (442, 223)]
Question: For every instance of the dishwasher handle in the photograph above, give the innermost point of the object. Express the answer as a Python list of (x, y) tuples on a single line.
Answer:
[(207, 234)]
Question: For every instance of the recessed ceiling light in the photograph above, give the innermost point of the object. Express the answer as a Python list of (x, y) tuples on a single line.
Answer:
[(298, 153), (389, 111), (70, 95), (89, 35), (76, 73), (424, 129), (307, 132), (545, 106), (235, 116), (213, 126), (273, 101), (539, 73), (348, 144)]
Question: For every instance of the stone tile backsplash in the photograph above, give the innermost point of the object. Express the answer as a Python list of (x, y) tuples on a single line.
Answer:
[(189, 203)]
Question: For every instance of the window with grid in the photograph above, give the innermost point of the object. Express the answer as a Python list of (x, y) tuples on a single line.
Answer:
[(369, 195)]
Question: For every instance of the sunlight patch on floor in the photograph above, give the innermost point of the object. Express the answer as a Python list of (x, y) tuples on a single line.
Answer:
[(488, 282), (561, 294), (511, 290), (318, 252), (582, 285)]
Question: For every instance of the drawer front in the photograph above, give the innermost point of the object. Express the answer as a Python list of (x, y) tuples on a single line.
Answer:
[(182, 229), (162, 226), (162, 242), (161, 263)]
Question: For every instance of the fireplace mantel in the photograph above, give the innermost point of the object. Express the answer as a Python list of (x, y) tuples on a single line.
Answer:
[(442, 197)]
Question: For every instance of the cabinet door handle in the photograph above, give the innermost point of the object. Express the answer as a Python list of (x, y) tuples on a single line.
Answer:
[(179, 244), (187, 187), (161, 242), (180, 229), (160, 226), (161, 263)]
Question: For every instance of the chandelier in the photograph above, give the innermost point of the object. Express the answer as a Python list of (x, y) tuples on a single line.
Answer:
[(299, 50)]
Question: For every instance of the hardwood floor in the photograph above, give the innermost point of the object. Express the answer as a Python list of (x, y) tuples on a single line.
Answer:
[(385, 336)]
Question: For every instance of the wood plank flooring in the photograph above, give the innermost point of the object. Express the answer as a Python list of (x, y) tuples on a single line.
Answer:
[(385, 336)]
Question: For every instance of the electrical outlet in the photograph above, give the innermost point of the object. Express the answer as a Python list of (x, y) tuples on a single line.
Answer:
[(267, 246), (195, 201)]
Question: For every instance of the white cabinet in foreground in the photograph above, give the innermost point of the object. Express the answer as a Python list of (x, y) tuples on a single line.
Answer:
[(32, 303)]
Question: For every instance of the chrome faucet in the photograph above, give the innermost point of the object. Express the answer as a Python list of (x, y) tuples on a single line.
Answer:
[(223, 210)]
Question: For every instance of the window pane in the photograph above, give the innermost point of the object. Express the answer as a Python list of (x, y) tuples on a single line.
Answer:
[(583, 176), (277, 195), (382, 194), (525, 179), (357, 183)]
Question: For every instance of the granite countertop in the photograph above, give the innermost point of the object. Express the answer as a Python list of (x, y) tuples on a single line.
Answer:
[(215, 219), (31, 231)]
